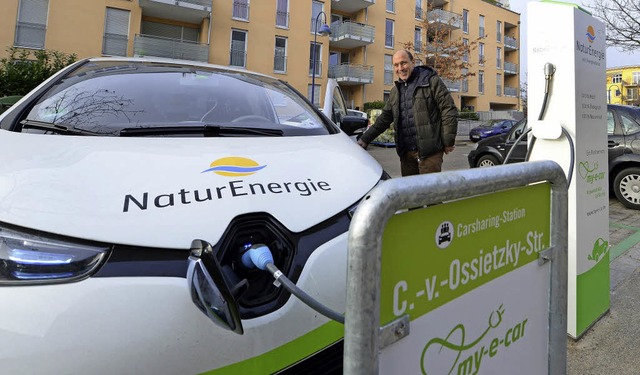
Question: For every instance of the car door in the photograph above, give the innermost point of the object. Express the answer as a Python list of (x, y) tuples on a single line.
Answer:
[(616, 141), (520, 150), (630, 126)]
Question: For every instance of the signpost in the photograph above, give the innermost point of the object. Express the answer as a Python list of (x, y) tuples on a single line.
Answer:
[(470, 286)]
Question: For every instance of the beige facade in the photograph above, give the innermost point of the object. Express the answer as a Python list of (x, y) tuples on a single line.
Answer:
[(275, 37), (623, 85)]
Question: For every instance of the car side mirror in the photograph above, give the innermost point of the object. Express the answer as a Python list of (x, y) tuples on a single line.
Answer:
[(209, 289), (353, 124), (518, 133)]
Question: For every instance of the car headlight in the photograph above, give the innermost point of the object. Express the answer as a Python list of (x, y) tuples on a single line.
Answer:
[(27, 258)]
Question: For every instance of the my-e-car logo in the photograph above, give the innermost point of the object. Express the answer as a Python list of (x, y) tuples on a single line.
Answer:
[(232, 166)]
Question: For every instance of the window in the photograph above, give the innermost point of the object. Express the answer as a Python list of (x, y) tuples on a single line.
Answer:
[(616, 78), (499, 84), (116, 32), (629, 126), (316, 9), (238, 55), (388, 34), (635, 78), (481, 82), (391, 6), (465, 80), (419, 11), (280, 55), (632, 93), (241, 9), (481, 27), (388, 69), (465, 56), (318, 58), (481, 53), (417, 40), (499, 31), (611, 124), (465, 21), (31, 25), (498, 57), (282, 13)]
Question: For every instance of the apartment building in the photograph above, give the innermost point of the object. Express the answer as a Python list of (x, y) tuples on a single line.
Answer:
[(623, 85), (282, 38)]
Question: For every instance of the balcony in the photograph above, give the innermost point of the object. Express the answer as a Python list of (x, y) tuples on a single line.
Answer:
[(351, 34), (351, 6), (511, 91), (510, 43), (453, 86), (437, 3), (510, 68), (351, 74), (147, 45), (192, 11), (443, 19)]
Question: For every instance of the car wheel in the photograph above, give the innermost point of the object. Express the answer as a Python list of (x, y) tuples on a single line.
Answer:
[(487, 161), (627, 187)]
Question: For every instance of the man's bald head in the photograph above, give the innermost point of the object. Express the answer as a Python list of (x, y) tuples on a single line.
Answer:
[(403, 64)]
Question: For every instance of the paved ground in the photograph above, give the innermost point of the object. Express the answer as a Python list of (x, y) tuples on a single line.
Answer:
[(612, 345)]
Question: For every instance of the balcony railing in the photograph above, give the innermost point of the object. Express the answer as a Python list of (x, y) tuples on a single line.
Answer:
[(280, 63), (30, 35), (453, 86), (351, 34), (282, 19), (510, 68), (318, 67), (114, 44), (510, 43), (147, 45), (511, 91), (351, 73), (444, 18)]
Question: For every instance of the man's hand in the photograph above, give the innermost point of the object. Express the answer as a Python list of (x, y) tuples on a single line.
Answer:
[(363, 144), (448, 149)]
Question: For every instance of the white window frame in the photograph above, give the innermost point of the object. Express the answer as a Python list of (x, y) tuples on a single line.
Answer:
[(481, 82), (465, 21), (616, 78), (481, 57), (112, 36), (282, 13), (244, 52), (388, 69), (635, 78), (314, 14), (498, 84), (499, 31), (390, 6), (240, 4), (388, 22), (417, 40), (499, 57), (29, 23), (481, 31), (318, 59), (275, 53)]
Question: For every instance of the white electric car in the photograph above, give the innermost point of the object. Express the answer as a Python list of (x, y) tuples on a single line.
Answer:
[(130, 189)]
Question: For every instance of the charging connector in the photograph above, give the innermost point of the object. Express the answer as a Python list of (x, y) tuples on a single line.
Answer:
[(260, 256)]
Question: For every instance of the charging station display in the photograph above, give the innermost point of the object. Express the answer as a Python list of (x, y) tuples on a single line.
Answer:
[(567, 113)]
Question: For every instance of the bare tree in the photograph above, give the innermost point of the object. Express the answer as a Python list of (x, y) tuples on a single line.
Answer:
[(449, 55), (523, 96), (622, 19)]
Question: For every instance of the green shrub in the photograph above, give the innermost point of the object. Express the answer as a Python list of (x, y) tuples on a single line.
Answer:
[(373, 105), (468, 115), (25, 69)]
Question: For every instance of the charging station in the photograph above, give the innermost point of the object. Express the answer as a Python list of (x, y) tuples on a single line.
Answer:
[(568, 119)]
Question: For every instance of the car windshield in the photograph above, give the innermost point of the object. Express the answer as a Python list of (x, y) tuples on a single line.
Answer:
[(490, 123), (113, 97)]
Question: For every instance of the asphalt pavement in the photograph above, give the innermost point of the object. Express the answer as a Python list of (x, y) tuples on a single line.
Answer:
[(612, 345)]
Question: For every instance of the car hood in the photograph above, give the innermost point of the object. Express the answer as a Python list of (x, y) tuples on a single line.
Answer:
[(165, 192)]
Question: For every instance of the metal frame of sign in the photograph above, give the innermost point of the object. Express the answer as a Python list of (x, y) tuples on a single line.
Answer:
[(363, 335)]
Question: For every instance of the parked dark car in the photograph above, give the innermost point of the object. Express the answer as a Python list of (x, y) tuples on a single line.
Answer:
[(623, 130), (490, 128)]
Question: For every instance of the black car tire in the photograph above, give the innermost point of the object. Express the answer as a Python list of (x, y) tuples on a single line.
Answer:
[(627, 187), (487, 161)]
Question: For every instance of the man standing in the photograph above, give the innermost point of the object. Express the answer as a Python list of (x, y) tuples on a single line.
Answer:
[(424, 114)]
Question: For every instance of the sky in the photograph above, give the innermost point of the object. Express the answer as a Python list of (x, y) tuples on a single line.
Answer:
[(614, 57)]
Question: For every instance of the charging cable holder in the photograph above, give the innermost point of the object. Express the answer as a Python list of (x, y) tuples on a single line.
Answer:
[(546, 129)]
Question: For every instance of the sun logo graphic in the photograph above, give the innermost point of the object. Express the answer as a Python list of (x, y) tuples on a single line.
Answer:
[(591, 34), (234, 166)]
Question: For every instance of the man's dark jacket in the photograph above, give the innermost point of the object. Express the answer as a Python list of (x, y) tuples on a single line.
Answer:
[(434, 113)]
